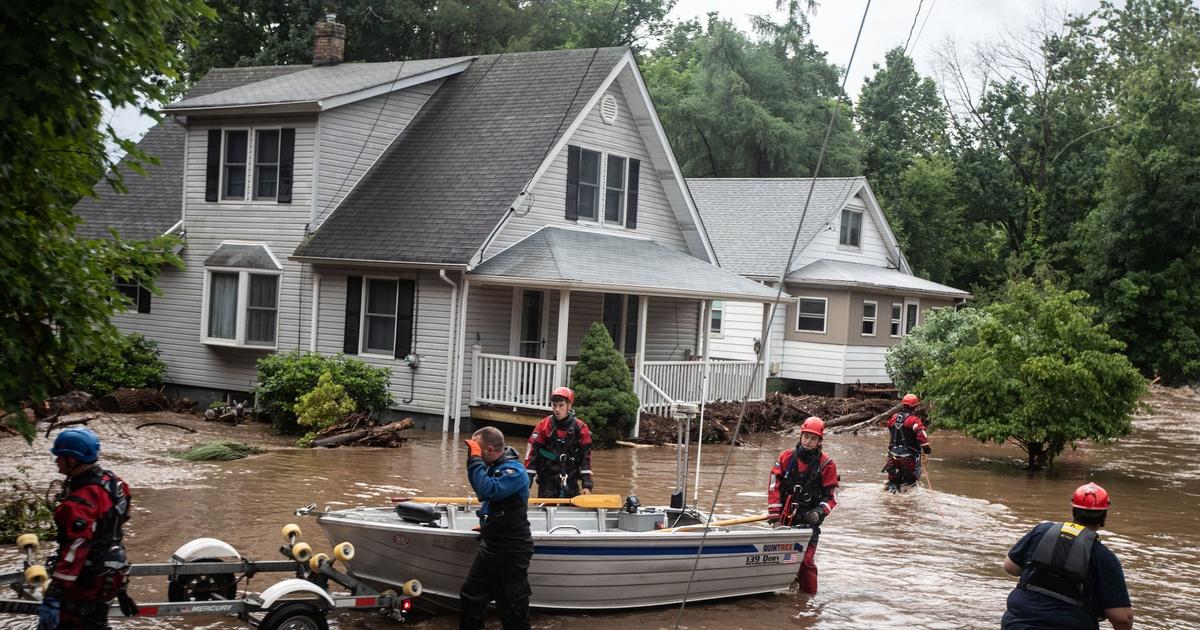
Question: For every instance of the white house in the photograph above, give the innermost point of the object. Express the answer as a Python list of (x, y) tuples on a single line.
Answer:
[(459, 221), (853, 293)]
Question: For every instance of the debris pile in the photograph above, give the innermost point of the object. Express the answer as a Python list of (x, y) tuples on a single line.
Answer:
[(360, 429)]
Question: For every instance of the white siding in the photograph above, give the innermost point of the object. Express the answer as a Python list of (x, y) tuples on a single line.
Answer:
[(352, 138), (741, 325), (833, 363), (825, 245), (864, 364), (655, 218), (421, 389)]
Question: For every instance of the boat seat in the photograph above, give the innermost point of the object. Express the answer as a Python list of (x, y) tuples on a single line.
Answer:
[(423, 513)]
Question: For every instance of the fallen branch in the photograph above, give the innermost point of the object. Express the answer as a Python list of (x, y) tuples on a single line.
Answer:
[(848, 418), (338, 440), (166, 424), (633, 444), (872, 420)]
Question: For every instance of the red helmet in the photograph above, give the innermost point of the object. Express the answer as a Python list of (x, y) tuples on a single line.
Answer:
[(1090, 496), (564, 392), (910, 400), (813, 425)]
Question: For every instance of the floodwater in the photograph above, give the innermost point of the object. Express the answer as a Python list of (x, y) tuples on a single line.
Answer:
[(924, 559)]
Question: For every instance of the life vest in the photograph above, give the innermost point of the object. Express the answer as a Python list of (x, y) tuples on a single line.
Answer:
[(801, 491), (903, 439), (107, 550), (560, 454), (1059, 565), (506, 519)]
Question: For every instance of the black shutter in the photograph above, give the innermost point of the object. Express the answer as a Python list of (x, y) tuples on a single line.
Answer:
[(143, 299), (632, 198), (404, 318), (353, 311), (287, 150), (212, 171), (572, 182)]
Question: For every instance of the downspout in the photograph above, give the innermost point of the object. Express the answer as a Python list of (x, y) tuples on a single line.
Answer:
[(462, 327), (450, 343), (316, 309)]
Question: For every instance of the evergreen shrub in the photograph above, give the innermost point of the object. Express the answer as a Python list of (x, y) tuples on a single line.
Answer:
[(603, 386), (283, 378)]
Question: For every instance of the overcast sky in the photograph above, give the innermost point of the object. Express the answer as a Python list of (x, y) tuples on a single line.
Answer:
[(834, 26)]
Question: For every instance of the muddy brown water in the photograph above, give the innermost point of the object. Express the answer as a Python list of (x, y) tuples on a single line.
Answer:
[(925, 559)]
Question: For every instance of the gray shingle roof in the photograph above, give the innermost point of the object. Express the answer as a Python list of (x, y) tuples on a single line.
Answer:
[(751, 222), (442, 187), (154, 201), (594, 261), (309, 84), (842, 273)]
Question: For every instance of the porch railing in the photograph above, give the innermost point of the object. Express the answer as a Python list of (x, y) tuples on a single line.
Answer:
[(500, 379)]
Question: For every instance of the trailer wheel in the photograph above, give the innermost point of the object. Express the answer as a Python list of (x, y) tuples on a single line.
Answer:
[(295, 616), (200, 588)]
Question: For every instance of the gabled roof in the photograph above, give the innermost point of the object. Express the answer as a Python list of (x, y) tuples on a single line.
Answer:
[(321, 87), (589, 260), (841, 273), (448, 180), (752, 222), (154, 202)]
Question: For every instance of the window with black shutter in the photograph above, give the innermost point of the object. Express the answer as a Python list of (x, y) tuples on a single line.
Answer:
[(353, 308), (212, 169)]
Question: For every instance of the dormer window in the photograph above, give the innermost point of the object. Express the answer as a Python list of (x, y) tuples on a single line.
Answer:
[(266, 164), (233, 170), (851, 234), (250, 164)]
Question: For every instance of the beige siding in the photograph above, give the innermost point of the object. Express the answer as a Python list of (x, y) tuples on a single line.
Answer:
[(655, 218), (352, 138), (826, 246), (836, 315)]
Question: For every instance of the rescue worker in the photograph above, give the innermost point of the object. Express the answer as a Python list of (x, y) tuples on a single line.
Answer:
[(1069, 579), (560, 450), (803, 491), (89, 568), (500, 571), (906, 445)]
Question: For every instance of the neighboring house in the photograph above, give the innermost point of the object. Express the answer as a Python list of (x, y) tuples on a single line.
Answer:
[(460, 221), (854, 295)]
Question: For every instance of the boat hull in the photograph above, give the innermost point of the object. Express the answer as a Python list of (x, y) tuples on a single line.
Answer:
[(576, 569)]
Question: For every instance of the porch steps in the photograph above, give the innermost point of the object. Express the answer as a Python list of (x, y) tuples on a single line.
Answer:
[(508, 415)]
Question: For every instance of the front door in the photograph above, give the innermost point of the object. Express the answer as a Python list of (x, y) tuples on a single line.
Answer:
[(532, 342)]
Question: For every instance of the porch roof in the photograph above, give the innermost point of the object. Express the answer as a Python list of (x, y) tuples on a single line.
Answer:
[(593, 261), (842, 273)]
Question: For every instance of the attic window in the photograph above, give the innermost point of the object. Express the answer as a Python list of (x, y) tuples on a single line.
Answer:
[(851, 234), (608, 109)]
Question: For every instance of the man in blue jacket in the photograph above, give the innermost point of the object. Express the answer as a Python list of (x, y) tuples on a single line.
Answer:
[(500, 571)]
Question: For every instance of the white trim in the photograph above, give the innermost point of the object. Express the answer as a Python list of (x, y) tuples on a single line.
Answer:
[(856, 247), (362, 318), (576, 285), (824, 316), (332, 102), (253, 166), (246, 164), (905, 328), (719, 334), (187, 140), (262, 244), (316, 173), (873, 319), (313, 316), (899, 322), (174, 228), (881, 222), (241, 307)]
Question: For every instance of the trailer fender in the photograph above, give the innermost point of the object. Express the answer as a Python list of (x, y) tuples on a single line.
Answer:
[(205, 548), (293, 589)]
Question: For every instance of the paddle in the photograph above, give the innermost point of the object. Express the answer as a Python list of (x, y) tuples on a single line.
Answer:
[(730, 521), (609, 501)]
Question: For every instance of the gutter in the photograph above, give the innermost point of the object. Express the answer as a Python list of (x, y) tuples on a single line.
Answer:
[(357, 262)]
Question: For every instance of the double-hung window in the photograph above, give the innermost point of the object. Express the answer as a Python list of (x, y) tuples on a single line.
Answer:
[(614, 191), (233, 164), (897, 310), (379, 316), (911, 310), (602, 188), (868, 318), (138, 295), (851, 233), (250, 164), (241, 296), (810, 316), (266, 164), (589, 184), (716, 322)]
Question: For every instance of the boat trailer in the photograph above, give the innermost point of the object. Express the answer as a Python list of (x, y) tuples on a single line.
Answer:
[(203, 576)]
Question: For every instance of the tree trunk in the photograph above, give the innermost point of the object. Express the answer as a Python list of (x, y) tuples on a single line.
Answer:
[(340, 439), (130, 400)]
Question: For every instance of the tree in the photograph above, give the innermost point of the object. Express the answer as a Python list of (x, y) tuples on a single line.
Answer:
[(603, 387), (63, 59), (1042, 374), (932, 344)]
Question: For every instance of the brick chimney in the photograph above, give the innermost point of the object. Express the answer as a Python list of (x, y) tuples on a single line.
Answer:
[(329, 42)]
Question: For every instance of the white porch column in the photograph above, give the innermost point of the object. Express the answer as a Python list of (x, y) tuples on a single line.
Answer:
[(564, 320), (316, 310), (462, 336), (706, 332), (765, 353), (640, 359)]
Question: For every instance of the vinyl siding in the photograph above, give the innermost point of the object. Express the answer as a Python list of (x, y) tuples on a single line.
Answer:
[(823, 362), (546, 206), (825, 244), (352, 138), (741, 326)]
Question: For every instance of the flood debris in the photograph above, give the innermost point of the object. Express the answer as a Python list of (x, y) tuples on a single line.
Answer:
[(217, 450), (360, 429), (26, 509)]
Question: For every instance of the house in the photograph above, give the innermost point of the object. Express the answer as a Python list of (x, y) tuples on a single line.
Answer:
[(853, 293), (461, 222)]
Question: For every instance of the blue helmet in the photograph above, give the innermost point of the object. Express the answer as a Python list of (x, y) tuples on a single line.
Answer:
[(78, 442)]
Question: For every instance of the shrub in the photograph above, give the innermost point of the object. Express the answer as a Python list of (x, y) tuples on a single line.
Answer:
[(326, 405), (130, 362), (603, 387), (284, 378), (933, 343), (217, 451)]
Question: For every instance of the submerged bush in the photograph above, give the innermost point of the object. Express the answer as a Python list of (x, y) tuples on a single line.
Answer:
[(284, 378), (326, 405), (217, 451)]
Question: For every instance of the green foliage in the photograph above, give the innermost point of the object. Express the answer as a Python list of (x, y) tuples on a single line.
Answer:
[(737, 107), (63, 60), (25, 509), (132, 361), (283, 378), (217, 451), (1042, 374), (942, 332), (326, 405), (603, 387)]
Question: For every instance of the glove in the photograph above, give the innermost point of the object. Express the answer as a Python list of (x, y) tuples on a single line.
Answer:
[(473, 449), (926, 449), (48, 613), (129, 608), (813, 516), (532, 476)]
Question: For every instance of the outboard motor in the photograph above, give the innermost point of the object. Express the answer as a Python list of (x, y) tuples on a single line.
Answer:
[(632, 504)]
